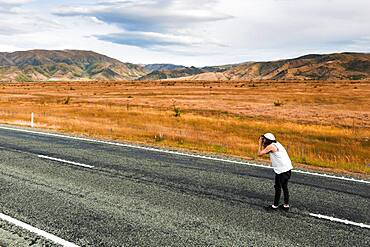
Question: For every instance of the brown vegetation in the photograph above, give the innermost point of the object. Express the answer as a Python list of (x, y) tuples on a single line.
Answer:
[(322, 124)]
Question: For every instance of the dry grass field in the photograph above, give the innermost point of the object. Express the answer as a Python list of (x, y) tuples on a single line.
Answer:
[(324, 125)]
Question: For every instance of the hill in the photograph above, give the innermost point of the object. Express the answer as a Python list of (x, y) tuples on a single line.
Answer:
[(156, 67), (169, 72), (339, 66), (44, 65), (64, 65)]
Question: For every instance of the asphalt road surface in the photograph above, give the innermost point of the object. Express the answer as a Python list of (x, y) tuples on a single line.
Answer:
[(98, 194)]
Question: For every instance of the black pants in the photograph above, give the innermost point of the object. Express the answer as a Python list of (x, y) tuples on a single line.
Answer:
[(281, 181)]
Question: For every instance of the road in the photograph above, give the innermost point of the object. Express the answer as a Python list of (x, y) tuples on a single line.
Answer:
[(93, 193)]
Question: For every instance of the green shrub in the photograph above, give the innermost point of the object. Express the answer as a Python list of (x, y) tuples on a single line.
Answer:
[(278, 103), (67, 100), (159, 138), (177, 111)]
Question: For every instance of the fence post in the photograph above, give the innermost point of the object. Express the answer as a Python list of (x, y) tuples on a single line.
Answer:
[(32, 116)]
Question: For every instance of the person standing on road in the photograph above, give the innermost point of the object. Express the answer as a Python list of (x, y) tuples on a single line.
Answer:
[(282, 166)]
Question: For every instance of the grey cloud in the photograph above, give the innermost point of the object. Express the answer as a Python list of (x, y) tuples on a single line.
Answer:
[(156, 15), (320, 25), (153, 39), (16, 18), (14, 2), (137, 40), (8, 30), (252, 29), (12, 7), (149, 23)]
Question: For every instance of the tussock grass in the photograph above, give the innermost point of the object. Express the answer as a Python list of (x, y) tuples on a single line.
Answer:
[(331, 133)]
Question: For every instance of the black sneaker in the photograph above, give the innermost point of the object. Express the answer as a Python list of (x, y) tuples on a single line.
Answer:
[(286, 209), (270, 208)]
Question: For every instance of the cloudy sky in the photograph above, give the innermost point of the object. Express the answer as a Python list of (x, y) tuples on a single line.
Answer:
[(189, 32)]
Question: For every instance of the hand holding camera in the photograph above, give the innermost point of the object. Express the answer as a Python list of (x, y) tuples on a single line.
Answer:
[(260, 141)]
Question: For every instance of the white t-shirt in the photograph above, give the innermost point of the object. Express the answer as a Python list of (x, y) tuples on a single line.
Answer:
[(280, 159)]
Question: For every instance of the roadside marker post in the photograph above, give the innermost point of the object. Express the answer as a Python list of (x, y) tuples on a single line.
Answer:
[(316, 174), (32, 116)]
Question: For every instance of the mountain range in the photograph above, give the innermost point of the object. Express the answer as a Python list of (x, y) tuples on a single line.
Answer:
[(47, 65), (41, 65)]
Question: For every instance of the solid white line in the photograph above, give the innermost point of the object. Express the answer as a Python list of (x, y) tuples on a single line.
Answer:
[(331, 176), (39, 232), (182, 154), (347, 222), (65, 161)]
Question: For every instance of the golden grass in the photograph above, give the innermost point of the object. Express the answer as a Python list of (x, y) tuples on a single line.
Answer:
[(322, 124)]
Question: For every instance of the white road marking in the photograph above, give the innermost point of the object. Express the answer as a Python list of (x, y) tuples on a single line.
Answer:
[(52, 158), (39, 232), (347, 222), (65, 243), (64, 161), (181, 154), (331, 176)]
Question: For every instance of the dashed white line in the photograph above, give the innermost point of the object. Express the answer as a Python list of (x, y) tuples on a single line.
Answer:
[(181, 154), (347, 222), (65, 161), (37, 231), (68, 244)]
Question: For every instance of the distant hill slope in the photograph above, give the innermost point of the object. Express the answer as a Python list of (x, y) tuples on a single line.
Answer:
[(156, 67), (168, 72), (64, 65), (340, 66)]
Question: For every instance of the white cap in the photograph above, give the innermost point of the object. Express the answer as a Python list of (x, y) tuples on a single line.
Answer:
[(269, 136)]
